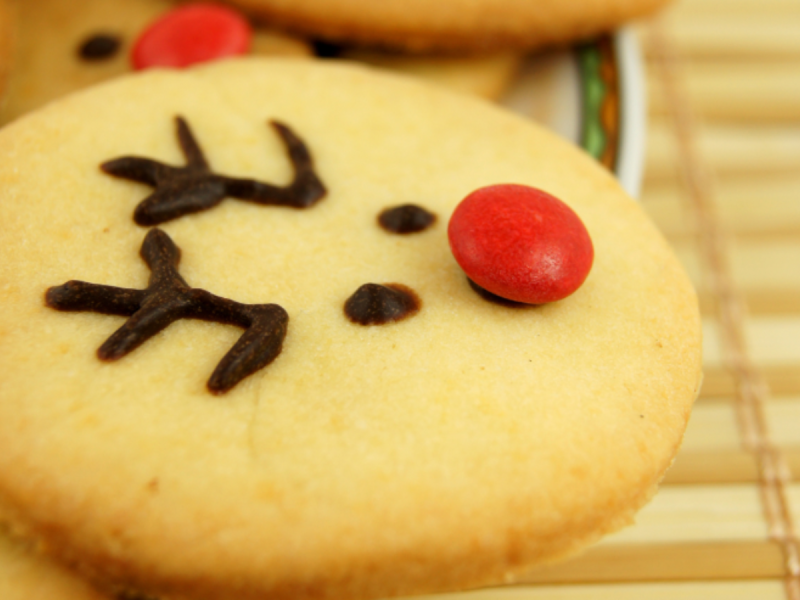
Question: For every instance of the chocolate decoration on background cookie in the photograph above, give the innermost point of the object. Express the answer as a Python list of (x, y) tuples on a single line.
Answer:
[(99, 47), (193, 188), (375, 304), (406, 218), (169, 298), (324, 49), (130, 595)]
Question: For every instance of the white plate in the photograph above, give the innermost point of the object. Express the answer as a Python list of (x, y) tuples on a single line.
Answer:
[(594, 95)]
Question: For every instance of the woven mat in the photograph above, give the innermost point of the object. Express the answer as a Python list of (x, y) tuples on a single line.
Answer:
[(722, 181)]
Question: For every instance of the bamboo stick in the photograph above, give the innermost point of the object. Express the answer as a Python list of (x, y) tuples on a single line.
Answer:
[(741, 36), (666, 562), (713, 467), (794, 490), (759, 207), (758, 302), (719, 386), (756, 265), (762, 589), (743, 39), (712, 428), (762, 266), (762, 302), (783, 416), (730, 151), (730, 465), (772, 341), (726, 467), (697, 513), (762, 91), (687, 9), (793, 463)]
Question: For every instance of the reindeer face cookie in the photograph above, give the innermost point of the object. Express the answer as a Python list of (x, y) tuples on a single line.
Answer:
[(63, 46), (384, 428)]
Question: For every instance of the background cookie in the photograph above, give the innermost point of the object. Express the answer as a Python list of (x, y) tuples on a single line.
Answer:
[(452, 25), (455, 448), (487, 76), (48, 62), (7, 39)]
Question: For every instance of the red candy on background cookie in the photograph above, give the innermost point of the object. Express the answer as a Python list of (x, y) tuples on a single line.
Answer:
[(191, 34), (520, 243)]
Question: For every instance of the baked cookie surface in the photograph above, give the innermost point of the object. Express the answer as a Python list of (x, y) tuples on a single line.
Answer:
[(454, 448), (455, 25)]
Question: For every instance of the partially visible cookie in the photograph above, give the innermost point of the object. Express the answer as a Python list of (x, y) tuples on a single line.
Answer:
[(65, 45), (8, 35), (225, 375), (455, 25), (487, 76)]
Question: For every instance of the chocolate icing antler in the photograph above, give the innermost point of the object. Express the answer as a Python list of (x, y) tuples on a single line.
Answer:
[(193, 187), (169, 298)]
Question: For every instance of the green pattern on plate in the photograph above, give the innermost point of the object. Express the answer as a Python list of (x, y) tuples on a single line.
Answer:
[(593, 134)]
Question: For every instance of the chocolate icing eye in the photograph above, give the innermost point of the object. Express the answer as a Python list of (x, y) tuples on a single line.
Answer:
[(99, 46), (406, 218)]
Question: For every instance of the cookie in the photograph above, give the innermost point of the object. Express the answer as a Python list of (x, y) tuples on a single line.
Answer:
[(362, 423), (487, 76), (63, 47), (455, 25), (7, 41)]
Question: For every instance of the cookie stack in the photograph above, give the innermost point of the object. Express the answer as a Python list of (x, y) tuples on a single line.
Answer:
[(241, 361)]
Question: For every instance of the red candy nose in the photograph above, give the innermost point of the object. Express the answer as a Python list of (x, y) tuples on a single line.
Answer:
[(520, 243), (191, 34)]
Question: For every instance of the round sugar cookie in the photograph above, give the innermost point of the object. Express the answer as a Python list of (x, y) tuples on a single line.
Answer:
[(471, 25), (458, 446)]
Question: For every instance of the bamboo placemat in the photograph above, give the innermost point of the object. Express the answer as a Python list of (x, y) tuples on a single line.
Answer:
[(722, 182)]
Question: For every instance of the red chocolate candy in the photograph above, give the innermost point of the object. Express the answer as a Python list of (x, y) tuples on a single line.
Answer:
[(190, 34), (520, 243)]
